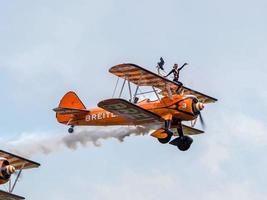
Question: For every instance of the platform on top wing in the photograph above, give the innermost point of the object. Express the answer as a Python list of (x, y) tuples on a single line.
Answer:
[(143, 77)]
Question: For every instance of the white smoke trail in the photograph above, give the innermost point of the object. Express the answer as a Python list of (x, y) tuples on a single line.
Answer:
[(40, 143)]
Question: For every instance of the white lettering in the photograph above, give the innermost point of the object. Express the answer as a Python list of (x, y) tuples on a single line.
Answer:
[(99, 116), (93, 117), (87, 118)]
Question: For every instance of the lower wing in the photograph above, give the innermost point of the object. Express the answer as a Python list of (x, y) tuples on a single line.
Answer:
[(135, 114), (187, 130)]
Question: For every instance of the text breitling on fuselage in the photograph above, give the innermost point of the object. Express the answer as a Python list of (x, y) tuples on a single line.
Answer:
[(99, 116)]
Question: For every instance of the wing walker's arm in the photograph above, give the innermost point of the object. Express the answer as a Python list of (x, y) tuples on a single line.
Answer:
[(183, 66), (170, 73)]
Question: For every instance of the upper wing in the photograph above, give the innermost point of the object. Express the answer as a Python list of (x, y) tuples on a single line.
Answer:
[(144, 77), (133, 113), (140, 76), (18, 162), (200, 96), (8, 196)]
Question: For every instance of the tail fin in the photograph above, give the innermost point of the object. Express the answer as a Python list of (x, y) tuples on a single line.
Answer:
[(71, 100), (69, 106)]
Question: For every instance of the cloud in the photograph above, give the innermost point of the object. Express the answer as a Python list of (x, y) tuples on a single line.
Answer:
[(130, 186), (158, 185), (230, 133), (214, 155), (232, 191)]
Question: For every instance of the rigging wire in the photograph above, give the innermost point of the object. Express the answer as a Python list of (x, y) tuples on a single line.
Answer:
[(115, 87)]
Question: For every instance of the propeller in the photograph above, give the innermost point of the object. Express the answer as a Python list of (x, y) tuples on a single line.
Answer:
[(199, 107), (202, 122)]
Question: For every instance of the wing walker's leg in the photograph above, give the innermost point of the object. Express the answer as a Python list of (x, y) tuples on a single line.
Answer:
[(179, 88)]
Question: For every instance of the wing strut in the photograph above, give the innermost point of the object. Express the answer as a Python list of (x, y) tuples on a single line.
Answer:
[(130, 91), (15, 183), (137, 87), (155, 92), (115, 89), (135, 94), (12, 187), (122, 88)]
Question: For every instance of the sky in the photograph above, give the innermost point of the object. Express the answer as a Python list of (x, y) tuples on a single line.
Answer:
[(48, 48)]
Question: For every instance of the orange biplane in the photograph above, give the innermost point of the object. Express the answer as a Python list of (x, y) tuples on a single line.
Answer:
[(174, 104), (9, 164)]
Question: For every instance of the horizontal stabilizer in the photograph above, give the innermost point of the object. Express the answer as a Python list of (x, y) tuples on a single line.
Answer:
[(73, 111)]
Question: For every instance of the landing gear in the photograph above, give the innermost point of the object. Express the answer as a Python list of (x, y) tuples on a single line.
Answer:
[(168, 132), (183, 142), (71, 129), (167, 139)]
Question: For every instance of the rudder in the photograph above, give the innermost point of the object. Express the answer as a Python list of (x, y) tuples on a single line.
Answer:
[(71, 100), (70, 106)]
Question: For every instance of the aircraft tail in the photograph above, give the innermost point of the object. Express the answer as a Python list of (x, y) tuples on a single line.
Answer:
[(70, 106), (71, 100)]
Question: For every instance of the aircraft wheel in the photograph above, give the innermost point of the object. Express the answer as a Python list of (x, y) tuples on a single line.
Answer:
[(167, 139), (70, 130), (184, 143)]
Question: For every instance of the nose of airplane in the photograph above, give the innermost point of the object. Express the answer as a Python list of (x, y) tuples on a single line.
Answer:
[(200, 106), (10, 169)]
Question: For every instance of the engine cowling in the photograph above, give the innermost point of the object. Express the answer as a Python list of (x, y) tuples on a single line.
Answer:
[(6, 170), (190, 105)]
